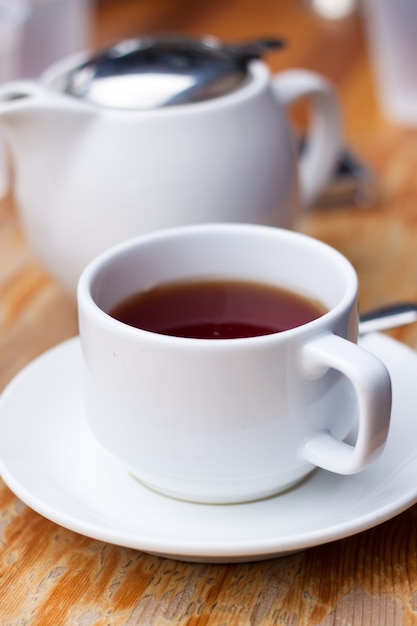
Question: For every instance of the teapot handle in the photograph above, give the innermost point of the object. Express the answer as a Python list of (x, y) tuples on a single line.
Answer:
[(324, 138)]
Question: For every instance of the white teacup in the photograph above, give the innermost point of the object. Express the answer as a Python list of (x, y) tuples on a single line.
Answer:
[(230, 420)]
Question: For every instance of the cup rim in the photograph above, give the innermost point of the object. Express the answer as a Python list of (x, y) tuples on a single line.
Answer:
[(86, 301)]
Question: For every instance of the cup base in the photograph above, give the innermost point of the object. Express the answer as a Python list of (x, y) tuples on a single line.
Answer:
[(210, 496)]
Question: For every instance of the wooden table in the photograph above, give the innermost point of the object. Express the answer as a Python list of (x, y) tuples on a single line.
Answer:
[(51, 576)]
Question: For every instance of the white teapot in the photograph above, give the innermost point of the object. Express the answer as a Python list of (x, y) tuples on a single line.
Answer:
[(158, 132)]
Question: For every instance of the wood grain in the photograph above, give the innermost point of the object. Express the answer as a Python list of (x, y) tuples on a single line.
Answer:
[(51, 576)]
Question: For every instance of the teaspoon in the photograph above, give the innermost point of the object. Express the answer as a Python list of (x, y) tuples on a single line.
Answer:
[(390, 316)]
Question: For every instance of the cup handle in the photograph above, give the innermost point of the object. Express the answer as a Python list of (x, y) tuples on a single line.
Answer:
[(324, 139), (372, 384)]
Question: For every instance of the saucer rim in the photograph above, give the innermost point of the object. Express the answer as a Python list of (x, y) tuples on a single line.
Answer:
[(215, 550)]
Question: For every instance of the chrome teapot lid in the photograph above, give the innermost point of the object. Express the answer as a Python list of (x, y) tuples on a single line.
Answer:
[(159, 71)]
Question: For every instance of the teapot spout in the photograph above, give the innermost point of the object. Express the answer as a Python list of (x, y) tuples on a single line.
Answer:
[(19, 95), (24, 96), (14, 96), (32, 119)]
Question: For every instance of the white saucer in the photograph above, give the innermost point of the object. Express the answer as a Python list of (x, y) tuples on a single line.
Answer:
[(50, 461)]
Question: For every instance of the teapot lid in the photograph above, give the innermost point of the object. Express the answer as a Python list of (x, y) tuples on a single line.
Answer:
[(158, 71)]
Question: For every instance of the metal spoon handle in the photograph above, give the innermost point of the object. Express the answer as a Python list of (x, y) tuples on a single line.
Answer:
[(253, 49), (387, 317)]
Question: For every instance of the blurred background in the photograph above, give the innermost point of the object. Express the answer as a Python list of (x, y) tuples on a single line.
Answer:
[(327, 36), (333, 37)]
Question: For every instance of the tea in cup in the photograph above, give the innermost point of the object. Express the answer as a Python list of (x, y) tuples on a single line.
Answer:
[(222, 364)]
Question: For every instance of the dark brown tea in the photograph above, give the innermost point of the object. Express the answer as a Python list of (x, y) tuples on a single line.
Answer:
[(216, 309)]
